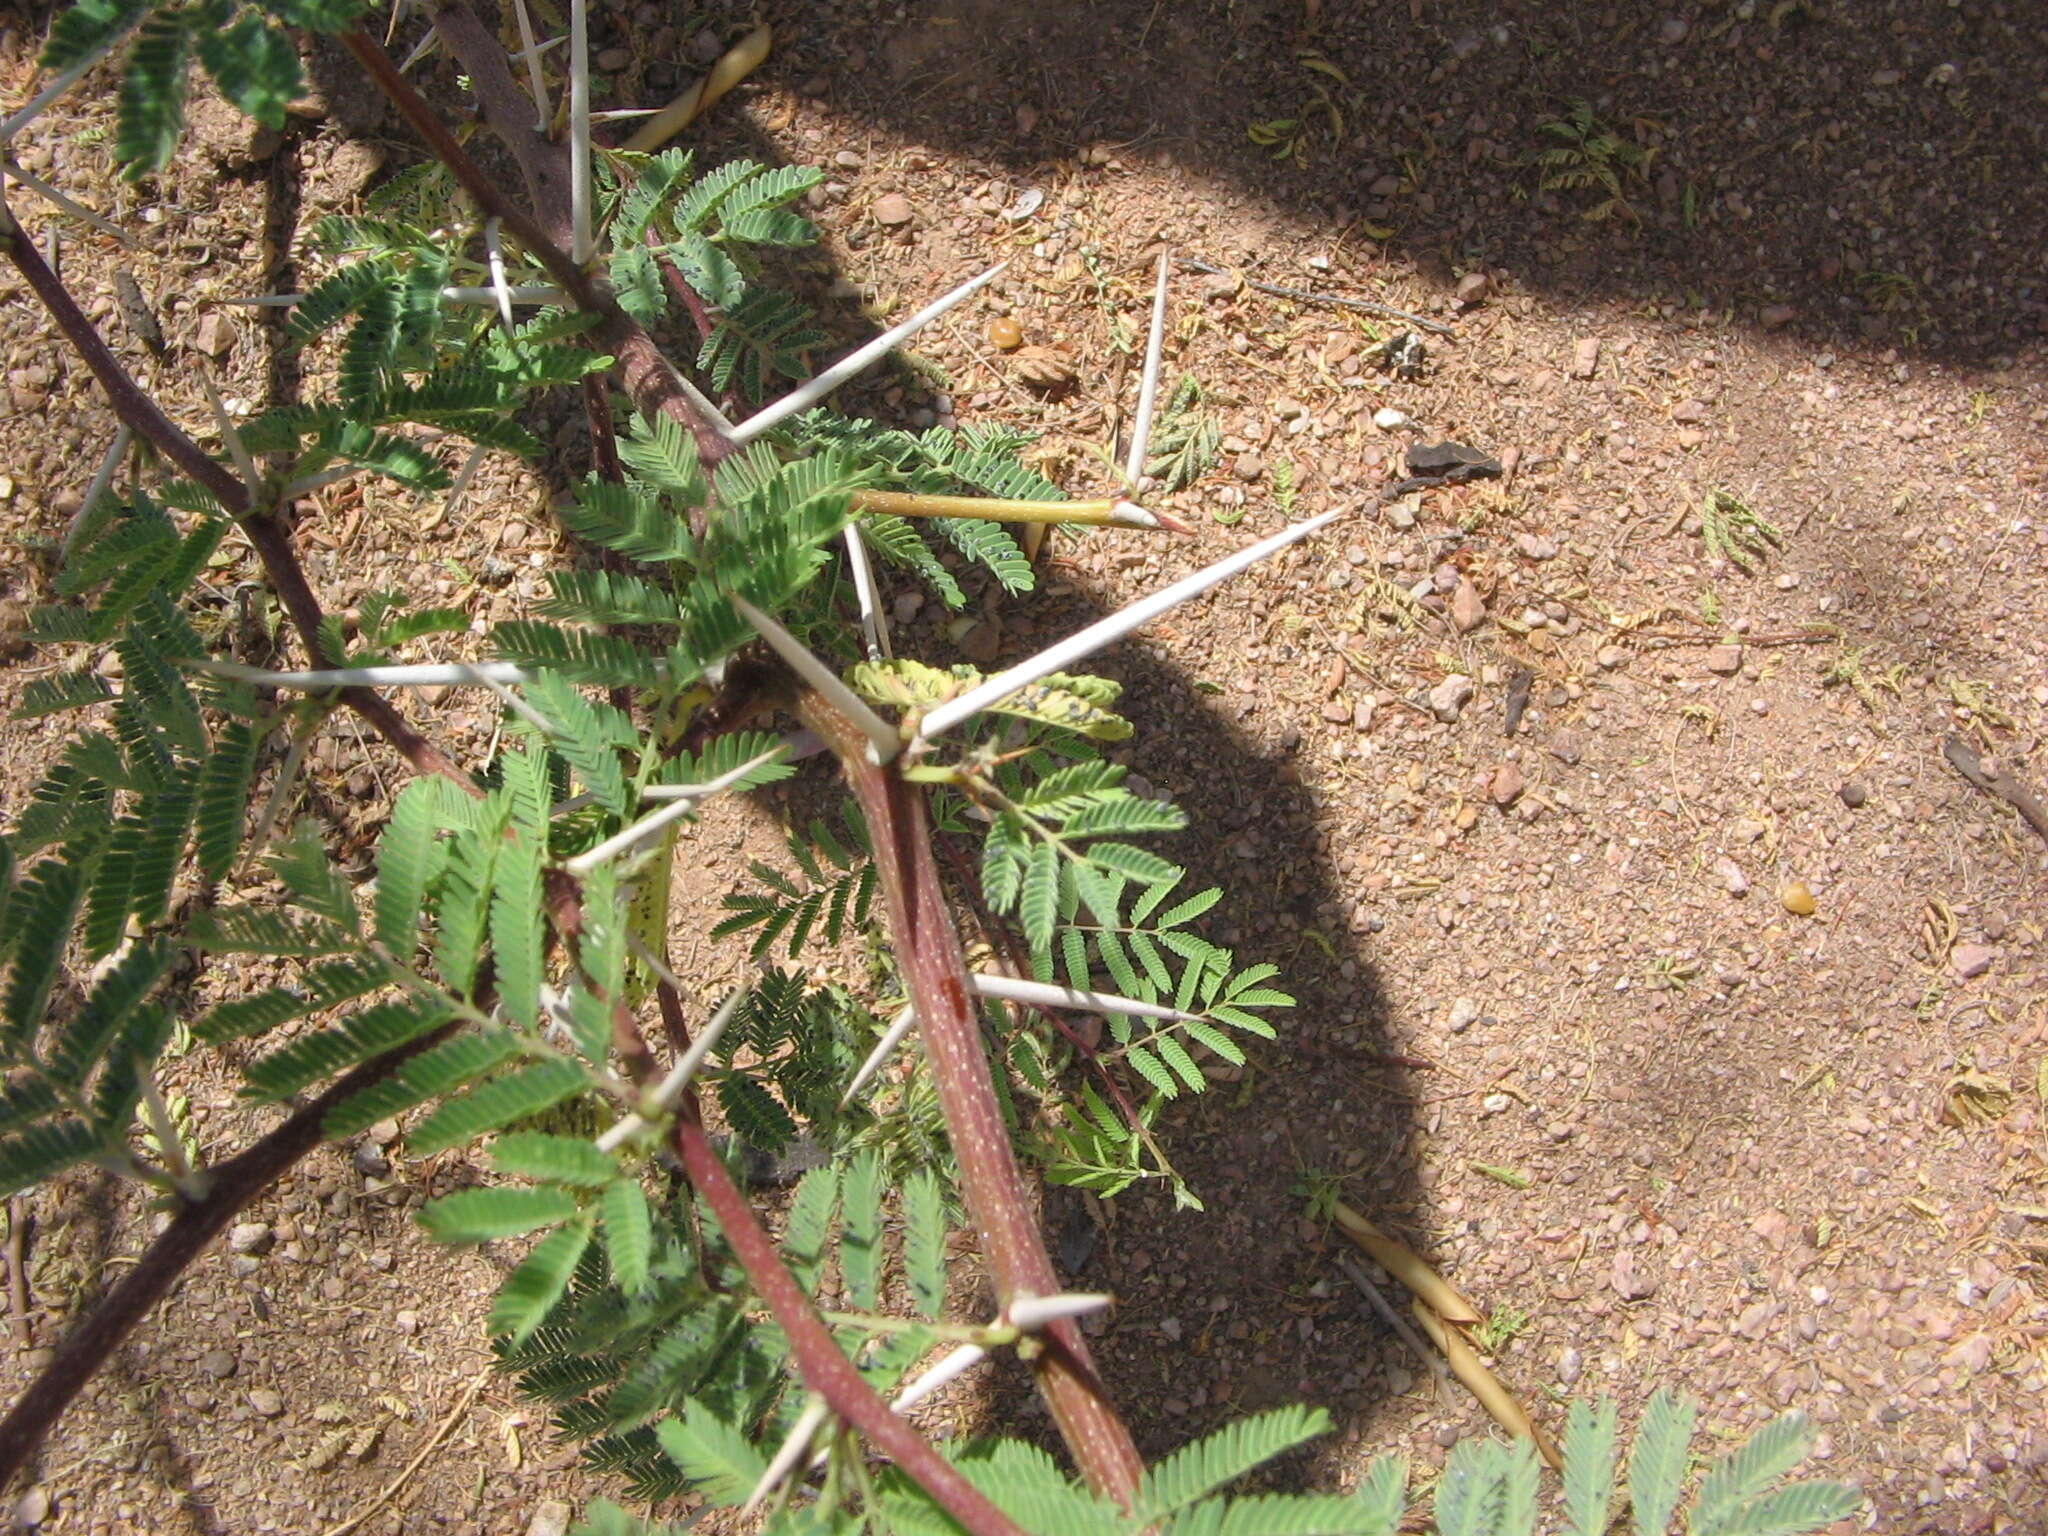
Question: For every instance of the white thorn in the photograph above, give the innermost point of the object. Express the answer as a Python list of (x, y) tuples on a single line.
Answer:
[(310, 483), (884, 742), (1128, 514), (244, 465), (790, 1453), (953, 1365), (50, 194), (513, 293), (685, 801), (671, 1088), (494, 255), (874, 627), (1108, 631), (579, 131), (807, 395), (704, 405), (463, 476), (625, 114), (521, 708), (891, 1038), (420, 50), (1031, 1313), (101, 479), (546, 47), (425, 675), (1148, 386), (1051, 995), (536, 87)]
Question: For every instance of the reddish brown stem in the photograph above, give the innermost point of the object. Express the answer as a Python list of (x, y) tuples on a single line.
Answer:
[(141, 415), (823, 1364), (233, 1184), (680, 286), (935, 974), (648, 378)]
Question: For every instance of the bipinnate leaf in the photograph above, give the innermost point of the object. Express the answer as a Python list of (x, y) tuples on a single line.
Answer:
[(711, 1453), (531, 1291), (1589, 1464), (1198, 1470), (481, 1215), (499, 1102), (1797, 1509), (379, 1028), (1657, 1461), (628, 1233), (860, 1232), (550, 1159), (405, 863), (924, 1241)]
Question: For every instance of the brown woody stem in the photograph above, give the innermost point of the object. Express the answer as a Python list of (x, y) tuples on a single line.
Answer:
[(143, 416), (820, 1360), (648, 378), (935, 974), (234, 1184)]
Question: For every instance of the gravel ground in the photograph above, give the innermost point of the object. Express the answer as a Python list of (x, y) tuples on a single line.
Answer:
[(1644, 1021)]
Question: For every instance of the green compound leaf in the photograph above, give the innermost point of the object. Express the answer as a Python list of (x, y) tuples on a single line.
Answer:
[(481, 1215)]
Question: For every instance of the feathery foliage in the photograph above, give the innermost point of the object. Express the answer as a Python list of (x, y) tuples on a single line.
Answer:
[(492, 976)]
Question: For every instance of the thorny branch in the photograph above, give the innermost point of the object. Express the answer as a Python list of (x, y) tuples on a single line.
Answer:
[(824, 1366), (143, 416), (935, 974), (234, 1184), (920, 922)]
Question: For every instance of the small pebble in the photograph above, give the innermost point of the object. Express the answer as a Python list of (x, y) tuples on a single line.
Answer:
[(1464, 1014), (1797, 898), (266, 1402), (1005, 334), (220, 1364), (250, 1237), (1387, 419), (1449, 697), (1853, 794), (1971, 960)]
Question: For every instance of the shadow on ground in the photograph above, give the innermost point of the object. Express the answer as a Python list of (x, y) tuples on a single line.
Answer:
[(1863, 173)]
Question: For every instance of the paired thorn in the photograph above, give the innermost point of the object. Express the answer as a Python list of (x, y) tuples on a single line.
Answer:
[(669, 1092), (1108, 631), (805, 396), (1112, 512), (1029, 1314), (1015, 990), (536, 87), (41, 101), (884, 741), (101, 479), (874, 627), (51, 195), (884, 1048), (954, 1364), (1148, 385), (683, 799), (326, 679), (791, 1451), (245, 466)]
